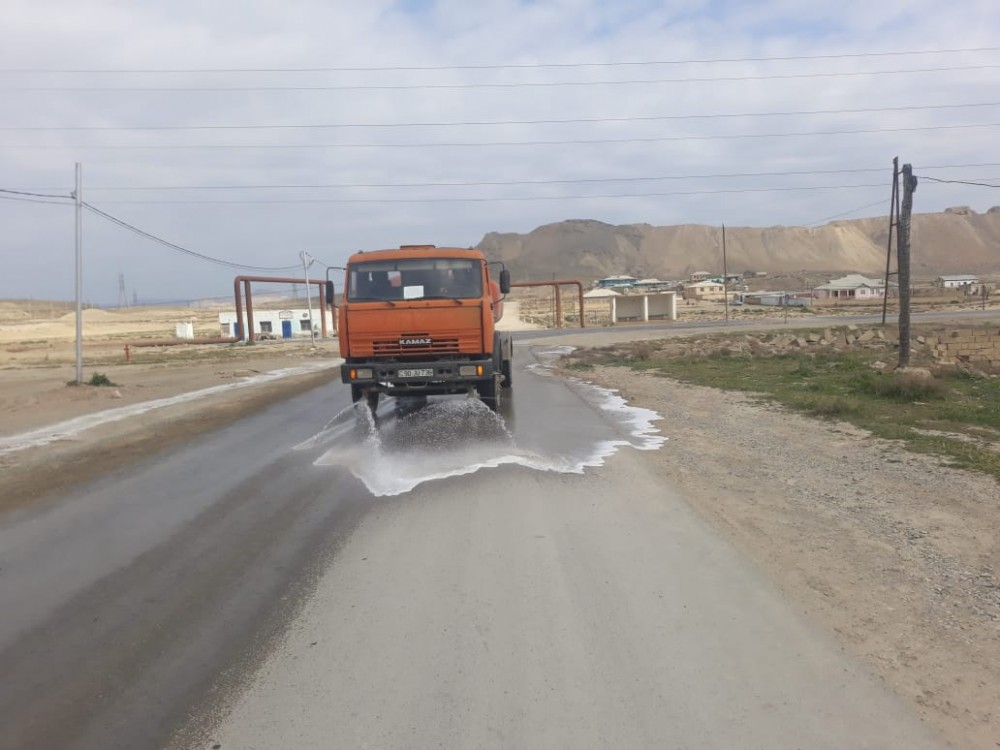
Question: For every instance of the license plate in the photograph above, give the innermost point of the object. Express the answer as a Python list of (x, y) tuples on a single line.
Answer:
[(421, 373)]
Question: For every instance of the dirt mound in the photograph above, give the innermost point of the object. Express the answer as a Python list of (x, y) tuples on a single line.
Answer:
[(91, 313), (956, 241)]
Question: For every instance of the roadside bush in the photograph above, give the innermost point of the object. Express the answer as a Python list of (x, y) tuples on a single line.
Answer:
[(100, 379), (834, 406), (904, 387)]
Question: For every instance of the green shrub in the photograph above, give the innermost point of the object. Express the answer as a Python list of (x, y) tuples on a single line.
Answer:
[(99, 378)]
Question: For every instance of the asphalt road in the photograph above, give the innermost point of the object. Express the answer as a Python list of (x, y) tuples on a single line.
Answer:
[(310, 578)]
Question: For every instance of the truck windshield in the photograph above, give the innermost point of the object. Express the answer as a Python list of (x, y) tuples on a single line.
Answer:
[(417, 278)]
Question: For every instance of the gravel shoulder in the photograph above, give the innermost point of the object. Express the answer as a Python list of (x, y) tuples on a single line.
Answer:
[(895, 553)]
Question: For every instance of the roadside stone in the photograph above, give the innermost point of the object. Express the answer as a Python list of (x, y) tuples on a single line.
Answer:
[(878, 365), (921, 373)]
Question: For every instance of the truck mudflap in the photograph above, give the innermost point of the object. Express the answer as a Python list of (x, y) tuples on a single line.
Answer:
[(423, 376)]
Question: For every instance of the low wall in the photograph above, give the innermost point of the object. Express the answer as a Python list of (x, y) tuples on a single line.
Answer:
[(970, 346)]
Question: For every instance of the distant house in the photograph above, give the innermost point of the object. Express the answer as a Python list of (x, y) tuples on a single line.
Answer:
[(601, 293), (705, 290), (654, 285), (697, 276), (957, 281), (852, 286), (612, 282)]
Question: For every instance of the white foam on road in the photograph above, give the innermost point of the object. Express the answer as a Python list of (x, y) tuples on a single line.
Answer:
[(458, 437), (73, 427)]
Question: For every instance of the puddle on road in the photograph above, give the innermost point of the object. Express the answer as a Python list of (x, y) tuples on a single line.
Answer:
[(408, 444)]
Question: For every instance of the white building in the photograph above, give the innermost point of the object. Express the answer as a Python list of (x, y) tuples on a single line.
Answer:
[(958, 281), (644, 307), (852, 286), (705, 290), (279, 324)]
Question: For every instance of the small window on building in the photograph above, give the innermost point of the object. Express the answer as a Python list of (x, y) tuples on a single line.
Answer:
[(265, 326), (304, 325)]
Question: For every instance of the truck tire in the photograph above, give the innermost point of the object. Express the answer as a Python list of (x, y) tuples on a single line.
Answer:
[(506, 367), (358, 393), (490, 393)]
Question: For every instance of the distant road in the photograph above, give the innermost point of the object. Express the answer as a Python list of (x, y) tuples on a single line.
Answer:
[(656, 329), (256, 594)]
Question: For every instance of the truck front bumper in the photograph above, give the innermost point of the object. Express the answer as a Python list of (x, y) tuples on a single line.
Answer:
[(423, 377)]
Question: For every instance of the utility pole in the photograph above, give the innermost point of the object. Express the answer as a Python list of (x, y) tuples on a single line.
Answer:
[(305, 271), (909, 186), (725, 273), (78, 200), (893, 218)]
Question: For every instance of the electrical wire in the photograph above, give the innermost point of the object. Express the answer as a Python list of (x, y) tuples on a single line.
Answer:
[(159, 240), (477, 123), (23, 199), (846, 213), (468, 199), (503, 66), (521, 84), (504, 183), (33, 194), (478, 144), (958, 182)]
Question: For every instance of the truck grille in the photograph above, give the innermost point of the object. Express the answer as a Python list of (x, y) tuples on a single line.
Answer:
[(440, 344)]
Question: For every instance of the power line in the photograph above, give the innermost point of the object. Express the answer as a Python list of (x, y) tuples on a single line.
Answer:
[(467, 144), (959, 182), (506, 183), (476, 123), (34, 195), (159, 240), (468, 199), (848, 213), (491, 183), (522, 84), (503, 66), (33, 200)]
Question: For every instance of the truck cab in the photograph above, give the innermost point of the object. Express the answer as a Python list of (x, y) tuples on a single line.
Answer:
[(420, 320)]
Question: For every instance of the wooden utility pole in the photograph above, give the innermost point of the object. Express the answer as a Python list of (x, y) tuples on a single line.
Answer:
[(725, 273), (909, 186), (893, 218)]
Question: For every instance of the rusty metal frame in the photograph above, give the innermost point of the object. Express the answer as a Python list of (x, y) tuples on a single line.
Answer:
[(248, 335), (556, 284)]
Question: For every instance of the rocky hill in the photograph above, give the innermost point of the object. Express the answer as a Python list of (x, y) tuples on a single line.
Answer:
[(958, 240)]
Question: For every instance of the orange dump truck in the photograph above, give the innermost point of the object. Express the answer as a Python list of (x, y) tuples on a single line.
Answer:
[(420, 320)]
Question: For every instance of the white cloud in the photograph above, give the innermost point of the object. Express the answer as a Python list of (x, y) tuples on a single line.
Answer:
[(37, 239)]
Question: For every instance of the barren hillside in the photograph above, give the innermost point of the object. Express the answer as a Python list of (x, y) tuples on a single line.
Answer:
[(958, 240)]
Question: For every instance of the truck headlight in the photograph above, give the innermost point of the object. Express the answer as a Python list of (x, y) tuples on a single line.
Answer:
[(470, 371), (361, 373)]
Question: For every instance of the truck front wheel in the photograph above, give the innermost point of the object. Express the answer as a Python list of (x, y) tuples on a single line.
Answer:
[(489, 392), (358, 393)]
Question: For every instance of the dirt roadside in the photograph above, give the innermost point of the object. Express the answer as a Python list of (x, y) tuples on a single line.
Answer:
[(896, 554), (33, 399)]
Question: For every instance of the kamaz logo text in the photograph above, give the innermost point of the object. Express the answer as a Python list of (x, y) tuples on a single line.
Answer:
[(414, 342)]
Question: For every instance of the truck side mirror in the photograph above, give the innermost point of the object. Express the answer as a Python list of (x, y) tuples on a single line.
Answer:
[(330, 292), (504, 281)]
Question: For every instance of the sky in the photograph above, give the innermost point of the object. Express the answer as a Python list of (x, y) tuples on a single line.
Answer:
[(251, 132)]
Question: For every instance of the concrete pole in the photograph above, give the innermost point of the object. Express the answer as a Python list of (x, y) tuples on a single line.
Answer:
[(305, 271), (78, 200)]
